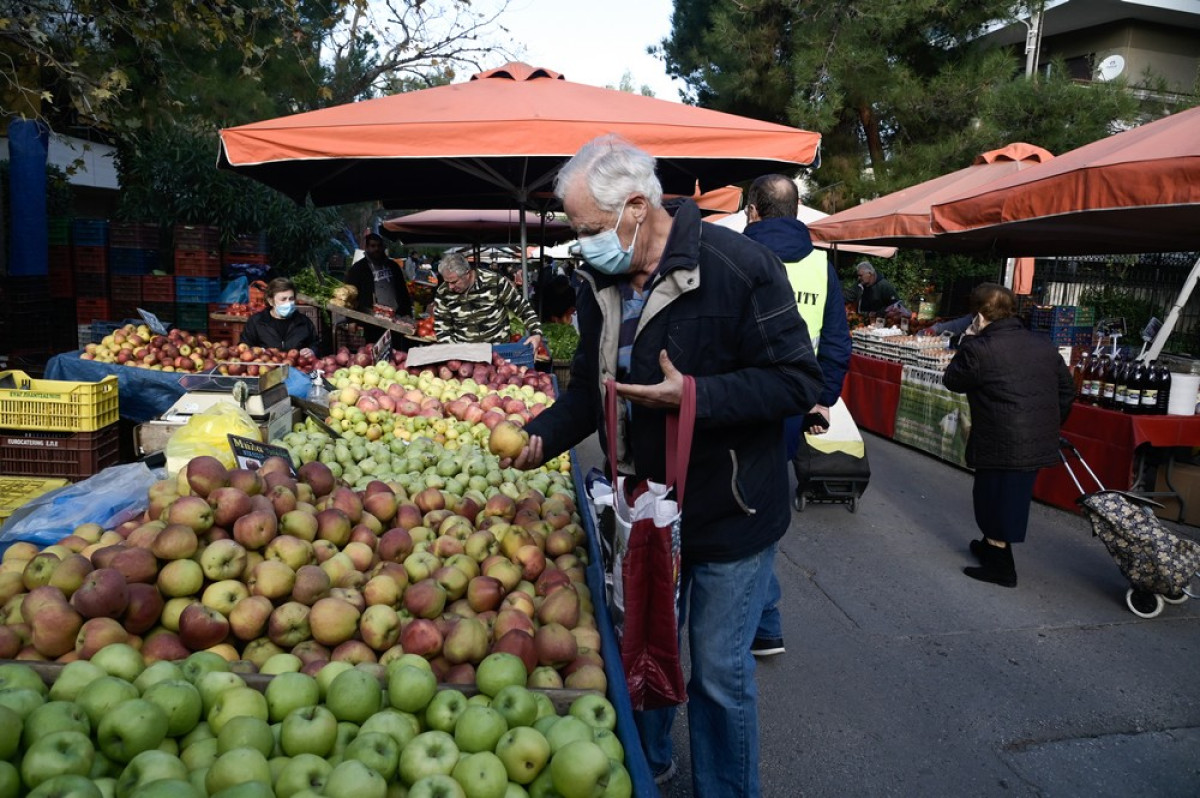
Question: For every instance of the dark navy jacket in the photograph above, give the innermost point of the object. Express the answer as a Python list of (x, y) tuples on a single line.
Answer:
[(720, 306)]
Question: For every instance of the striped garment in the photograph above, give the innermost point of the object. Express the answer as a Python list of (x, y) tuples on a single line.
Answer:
[(481, 314)]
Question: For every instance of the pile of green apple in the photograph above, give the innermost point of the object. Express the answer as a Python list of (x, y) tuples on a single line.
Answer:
[(252, 564), (114, 727), (458, 465)]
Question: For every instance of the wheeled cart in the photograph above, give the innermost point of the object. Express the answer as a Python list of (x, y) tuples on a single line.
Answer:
[(832, 467)]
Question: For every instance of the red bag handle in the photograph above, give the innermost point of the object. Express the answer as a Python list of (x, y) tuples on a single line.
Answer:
[(680, 428)]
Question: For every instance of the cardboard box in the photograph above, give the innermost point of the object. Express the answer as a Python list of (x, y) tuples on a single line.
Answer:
[(1185, 478), (152, 436)]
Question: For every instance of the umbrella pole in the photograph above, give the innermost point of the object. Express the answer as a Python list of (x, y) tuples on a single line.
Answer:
[(1185, 293), (524, 257)]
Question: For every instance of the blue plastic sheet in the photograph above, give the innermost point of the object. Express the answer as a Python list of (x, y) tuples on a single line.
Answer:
[(144, 393)]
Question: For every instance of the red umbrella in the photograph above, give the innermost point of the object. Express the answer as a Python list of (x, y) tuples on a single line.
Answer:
[(902, 217), (1137, 191), (496, 140)]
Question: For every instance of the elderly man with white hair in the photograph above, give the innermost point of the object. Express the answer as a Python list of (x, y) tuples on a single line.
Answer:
[(665, 295), (876, 294)]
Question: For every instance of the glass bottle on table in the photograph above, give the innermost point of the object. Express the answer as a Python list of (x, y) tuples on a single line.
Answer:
[(1108, 387), (1150, 383), (1091, 380), (1078, 372), (1164, 389), (1134, 387)]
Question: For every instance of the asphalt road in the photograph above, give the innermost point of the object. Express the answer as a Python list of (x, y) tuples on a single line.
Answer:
[(904, 677)]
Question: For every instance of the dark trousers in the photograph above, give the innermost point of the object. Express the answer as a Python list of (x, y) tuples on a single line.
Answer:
[(1002, 500)]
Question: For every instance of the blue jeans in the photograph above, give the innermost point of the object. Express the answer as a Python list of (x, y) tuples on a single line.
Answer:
[(722, 602), (771, 623)]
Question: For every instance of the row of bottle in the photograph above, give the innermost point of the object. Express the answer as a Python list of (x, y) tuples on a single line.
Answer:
[(1118, 383)]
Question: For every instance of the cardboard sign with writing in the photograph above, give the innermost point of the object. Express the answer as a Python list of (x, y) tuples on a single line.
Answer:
[(383, 347), (251, 454)]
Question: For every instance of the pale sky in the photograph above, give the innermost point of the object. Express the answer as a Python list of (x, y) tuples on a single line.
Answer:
[(594, 42)]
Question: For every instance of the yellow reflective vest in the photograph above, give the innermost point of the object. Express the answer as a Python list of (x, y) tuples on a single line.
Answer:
[(809, 279)]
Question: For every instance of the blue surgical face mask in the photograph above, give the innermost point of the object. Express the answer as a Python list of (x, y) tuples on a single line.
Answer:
[(604, 252), (284, 309)]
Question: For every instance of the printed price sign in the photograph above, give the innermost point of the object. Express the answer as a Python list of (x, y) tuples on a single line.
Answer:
[(152, 321), (383, 347), (251, 454)]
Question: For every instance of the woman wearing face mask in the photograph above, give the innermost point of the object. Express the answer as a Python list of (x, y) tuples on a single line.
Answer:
[(280, 326)]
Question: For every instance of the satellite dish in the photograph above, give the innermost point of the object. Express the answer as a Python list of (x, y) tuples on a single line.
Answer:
[(1110, 68)]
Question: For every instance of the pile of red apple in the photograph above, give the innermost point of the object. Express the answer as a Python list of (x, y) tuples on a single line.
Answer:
[(251, 564), (180, 350)]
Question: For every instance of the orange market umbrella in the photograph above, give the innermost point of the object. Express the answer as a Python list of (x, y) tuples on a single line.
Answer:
[(496, 141), (902, 217), (1137, 191), (470, 226)]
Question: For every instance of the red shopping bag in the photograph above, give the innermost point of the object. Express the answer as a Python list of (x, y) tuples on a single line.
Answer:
[(646, 569)]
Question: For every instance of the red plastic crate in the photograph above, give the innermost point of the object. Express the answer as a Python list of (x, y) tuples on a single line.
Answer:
[(62, 278), (90, 260), (229, 332), (157, 288), (88, 310), (134, 235), (197, 237), (196, 263), (65, 455), (259, 258), (125, 288), (91, 286)]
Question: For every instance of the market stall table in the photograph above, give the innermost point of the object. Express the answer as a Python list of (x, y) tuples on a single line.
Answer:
[(872, 392)]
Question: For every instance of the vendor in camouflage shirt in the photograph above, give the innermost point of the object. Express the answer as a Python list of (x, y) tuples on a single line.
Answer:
[(472, 306)]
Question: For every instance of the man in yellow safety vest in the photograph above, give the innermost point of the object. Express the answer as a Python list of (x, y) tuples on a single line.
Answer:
[(771, 206)]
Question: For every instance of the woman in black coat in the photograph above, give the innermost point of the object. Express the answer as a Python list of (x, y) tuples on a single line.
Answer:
[(1020, 392), (279, 326)]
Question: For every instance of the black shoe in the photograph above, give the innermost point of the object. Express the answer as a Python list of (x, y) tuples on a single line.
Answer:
[(767, 646), (666, 774), (977, 548), (996, 565)]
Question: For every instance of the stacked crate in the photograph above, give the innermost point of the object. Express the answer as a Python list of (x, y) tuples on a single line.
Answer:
[(197, 274), (52, 428), (245, 255), (26, 316), (1066, 325), (89, 258), (62, 278), (133, 252)]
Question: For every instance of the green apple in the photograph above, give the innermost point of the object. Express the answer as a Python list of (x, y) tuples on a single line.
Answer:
[(66, 786), (610, 742), (54, 716), (247, 789), (376, 750), (443, 711), (146, 767), (213, 684), (429, 753), (479, 728), (410, 689), (415, 660), (244, 731), (620, 785), (498, 670), (202, 731), (346, 732), (544, 725), (236, 702), (10, 779), (11, 725), (21, 700), (436, 786), (101, 695), (580, 769), (201, 662), (309, 730), (288, 691), (524, 752), (302, 772), (330, 671), (595, 710), (402, 726), (57, 754), (353, 779), (73, 678), (131, 727), (162, 671), (168, 788), (481, 775), (567, 730), (354, 695), (120, 659), (545, 705), (14, 675), (200, 754), (281, 663), (181, 702), (517, 704), (237, 767)]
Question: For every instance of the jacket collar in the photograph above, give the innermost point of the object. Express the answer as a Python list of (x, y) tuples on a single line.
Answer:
[(789, 239), (682, 250)]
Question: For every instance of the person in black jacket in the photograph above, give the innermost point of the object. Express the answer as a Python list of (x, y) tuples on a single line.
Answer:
[(1020, 393), (279, 326), (666, 295), (379, 280)]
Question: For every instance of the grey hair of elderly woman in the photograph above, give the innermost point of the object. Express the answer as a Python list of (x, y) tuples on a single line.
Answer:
[(863, 266), (613, 169), (453, 264)]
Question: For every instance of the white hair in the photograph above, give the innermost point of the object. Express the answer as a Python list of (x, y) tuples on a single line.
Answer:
[(453, 264), (863, 266), (613, 169)]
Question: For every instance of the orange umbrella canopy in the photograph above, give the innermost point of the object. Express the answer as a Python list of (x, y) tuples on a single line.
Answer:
[(496, 140), (1137, 191), (476, 226), (902, 217)]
